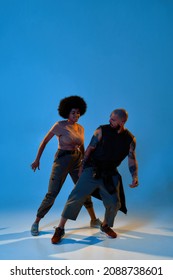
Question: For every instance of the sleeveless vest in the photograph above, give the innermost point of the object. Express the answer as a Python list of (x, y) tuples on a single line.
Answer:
[(109, 153), (114, 146)]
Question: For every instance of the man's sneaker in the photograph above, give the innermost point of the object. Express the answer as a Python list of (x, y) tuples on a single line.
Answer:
[(95, 223), (59, 233), (34, 229), (108, 231)]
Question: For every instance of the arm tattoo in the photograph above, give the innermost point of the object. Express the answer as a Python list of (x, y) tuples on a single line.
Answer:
[(133, 145), (131, 155), (94, 141), (133, 170), (133, 166)]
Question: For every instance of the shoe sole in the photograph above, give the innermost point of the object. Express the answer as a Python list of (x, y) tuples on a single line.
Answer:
[(111, 237), (96, 226), (34, 233)]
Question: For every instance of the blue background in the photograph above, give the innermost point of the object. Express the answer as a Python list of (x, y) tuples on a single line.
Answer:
[(113, 54)]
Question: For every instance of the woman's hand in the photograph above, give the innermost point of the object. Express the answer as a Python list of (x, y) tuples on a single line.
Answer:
[(35, 165), (135, 183)]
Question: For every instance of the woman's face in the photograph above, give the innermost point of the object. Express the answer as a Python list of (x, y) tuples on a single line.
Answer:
[(74, 115)]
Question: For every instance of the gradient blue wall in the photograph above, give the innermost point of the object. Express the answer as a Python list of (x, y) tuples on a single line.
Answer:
[(114, 53)]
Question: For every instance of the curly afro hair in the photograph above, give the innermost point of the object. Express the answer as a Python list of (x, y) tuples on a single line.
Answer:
[(69, 103)]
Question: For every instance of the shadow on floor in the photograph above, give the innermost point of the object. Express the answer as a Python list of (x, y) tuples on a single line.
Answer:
[(23, 246)]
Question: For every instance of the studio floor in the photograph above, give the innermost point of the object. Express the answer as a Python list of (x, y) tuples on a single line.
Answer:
[(139, 238)]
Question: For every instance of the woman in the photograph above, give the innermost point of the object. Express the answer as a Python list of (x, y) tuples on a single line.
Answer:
[(67, 159)]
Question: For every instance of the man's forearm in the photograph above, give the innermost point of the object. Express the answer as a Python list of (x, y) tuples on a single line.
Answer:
[(132, 162), (134, 170), (87, 154)]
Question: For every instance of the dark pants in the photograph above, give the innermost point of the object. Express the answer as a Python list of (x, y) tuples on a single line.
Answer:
[(85, 186), (62, 166)]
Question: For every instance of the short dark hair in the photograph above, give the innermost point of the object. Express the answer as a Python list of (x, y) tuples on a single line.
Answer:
[(69, 103), (122, 113)]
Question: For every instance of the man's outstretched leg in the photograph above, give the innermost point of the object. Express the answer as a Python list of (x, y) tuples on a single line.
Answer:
[(112, 205), (59, 231), (84, 187)]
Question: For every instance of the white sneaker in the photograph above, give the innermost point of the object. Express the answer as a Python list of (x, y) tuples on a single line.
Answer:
[(95, 223)]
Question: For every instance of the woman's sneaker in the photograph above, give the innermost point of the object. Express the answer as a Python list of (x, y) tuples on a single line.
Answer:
[(108, 231), (34, 229), (59, 233), (95, 223)]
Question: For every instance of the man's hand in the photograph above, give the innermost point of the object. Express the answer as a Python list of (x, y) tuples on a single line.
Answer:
[(135, 183)]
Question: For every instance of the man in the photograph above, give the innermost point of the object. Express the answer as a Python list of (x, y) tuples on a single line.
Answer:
[(109, 146)]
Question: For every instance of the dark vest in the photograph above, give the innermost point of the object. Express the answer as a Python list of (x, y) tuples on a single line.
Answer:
[(109, 153), (114, 146)]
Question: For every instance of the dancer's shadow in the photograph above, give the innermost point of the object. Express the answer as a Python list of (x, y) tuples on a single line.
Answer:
[(22, 245), (20, 235), (130, 239)]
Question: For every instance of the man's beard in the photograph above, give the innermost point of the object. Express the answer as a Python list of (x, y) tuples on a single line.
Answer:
[(115, 128)]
